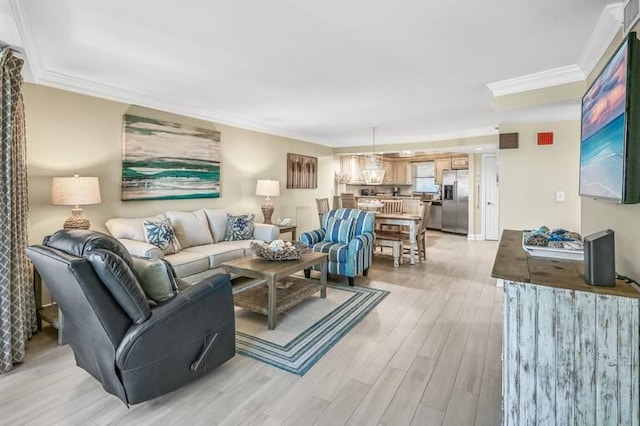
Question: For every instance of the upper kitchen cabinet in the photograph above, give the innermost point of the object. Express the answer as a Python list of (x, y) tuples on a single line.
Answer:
[(352, 166), (458, 163), (442, 164), (403, 176), (389, 172)]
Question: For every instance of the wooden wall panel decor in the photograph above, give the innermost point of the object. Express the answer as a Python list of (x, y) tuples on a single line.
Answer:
[(570, 357), (302, 171)]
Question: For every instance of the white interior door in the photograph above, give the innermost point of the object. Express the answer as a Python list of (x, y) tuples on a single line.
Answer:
[(490, 199)]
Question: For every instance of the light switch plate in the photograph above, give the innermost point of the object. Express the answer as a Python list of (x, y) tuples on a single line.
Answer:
[(559, 195)]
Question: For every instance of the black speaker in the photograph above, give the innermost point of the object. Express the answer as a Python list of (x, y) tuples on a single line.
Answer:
[(600, 258)]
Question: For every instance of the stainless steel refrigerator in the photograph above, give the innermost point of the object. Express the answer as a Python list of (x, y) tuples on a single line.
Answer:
[(455, 201)]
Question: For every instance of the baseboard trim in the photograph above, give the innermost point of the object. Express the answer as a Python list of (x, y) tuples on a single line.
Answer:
[(475, 237)]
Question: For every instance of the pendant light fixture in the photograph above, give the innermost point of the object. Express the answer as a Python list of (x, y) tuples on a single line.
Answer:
[(373, 172)]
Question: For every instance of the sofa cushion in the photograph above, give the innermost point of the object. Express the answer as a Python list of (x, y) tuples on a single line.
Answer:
[(188, 263), (156, 278), (217, 219), (223, 251), (239, 227), (339, 230), (122, 284), (192, 228), (131, 228), (161, 234)]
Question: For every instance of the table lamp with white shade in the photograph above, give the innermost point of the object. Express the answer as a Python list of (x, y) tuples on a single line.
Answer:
[(267, 188), (75, 191)]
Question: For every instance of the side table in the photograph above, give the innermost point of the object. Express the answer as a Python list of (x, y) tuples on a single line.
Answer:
[(49, 313), (288, 228)]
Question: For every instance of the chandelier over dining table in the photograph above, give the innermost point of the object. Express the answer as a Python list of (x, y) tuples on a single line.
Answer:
[(374, 170)]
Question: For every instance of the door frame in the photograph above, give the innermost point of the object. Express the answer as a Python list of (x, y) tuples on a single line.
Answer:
[(483, 182)]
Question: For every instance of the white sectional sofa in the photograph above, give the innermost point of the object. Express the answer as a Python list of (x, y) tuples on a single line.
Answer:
[(201, 235)]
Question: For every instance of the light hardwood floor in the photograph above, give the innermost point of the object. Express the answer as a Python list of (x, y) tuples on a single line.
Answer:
[(429, 354)]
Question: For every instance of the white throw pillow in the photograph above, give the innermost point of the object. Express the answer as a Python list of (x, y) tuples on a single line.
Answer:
[(191, 228), (217, 223), (131, 228)]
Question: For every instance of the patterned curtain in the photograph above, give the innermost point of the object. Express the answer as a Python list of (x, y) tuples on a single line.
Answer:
[(17, 304)]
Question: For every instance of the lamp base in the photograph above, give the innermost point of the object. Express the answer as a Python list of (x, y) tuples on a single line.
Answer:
[(77, 220), (267, 211)]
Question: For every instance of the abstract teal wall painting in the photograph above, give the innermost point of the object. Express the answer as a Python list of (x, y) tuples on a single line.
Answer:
[(165, 161)]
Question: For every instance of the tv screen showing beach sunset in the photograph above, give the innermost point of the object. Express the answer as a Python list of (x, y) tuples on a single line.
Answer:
[(603, 130)]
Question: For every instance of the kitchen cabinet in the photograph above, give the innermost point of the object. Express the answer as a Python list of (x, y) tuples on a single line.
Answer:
[(404, 175), (389, 173), (458, 163), (352, 165), (442, 164), (345, 166)]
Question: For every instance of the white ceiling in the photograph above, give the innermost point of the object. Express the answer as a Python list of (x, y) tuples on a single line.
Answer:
[(320, 71)]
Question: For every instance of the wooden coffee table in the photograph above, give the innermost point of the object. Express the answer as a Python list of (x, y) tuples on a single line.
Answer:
[(272, 300)]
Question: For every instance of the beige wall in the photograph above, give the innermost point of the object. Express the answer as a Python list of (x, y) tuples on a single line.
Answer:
[(531, 175), (69, 133), (544, 96), (623, 219), (445, 145)]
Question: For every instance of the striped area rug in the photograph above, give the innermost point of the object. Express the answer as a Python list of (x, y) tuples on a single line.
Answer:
[(307, 331)]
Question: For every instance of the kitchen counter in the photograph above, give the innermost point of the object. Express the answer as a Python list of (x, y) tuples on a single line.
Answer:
[(390, 197)]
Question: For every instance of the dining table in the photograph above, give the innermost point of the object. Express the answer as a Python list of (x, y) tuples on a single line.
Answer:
[(403, 219), (372, 205)]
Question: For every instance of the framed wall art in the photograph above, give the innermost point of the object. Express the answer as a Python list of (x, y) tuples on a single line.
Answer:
[(163, 160), (302, 171)]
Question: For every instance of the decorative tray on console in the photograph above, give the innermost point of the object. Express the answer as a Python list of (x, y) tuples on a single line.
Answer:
[(558, 244), (280, 250)]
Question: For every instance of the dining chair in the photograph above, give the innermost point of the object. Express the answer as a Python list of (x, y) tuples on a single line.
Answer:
[(421, 233), (337, 203), (323, 207), (411, 205), (391, 206), (348, 200)]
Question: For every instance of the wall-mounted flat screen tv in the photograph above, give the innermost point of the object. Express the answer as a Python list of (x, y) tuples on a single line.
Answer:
[(610, 141)]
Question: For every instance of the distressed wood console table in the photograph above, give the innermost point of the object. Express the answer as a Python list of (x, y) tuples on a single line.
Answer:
[(569, 349)]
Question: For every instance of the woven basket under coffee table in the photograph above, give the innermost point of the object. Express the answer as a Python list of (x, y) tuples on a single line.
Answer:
[(270, 300)]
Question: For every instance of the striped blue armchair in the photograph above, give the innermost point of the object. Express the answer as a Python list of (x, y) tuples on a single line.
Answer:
[(347, 237)]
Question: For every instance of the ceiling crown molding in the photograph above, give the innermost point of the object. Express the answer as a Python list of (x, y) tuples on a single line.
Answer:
[(47, 77), (30, 47), (538, 80), (90, 88), (608, 26)]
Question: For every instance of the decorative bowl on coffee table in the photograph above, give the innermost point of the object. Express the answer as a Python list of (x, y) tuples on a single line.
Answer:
[(279, 250)]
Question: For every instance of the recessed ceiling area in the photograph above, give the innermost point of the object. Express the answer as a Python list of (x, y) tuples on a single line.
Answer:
[(323, 72)]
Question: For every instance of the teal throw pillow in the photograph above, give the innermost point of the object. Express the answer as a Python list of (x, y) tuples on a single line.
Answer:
[(339, 230), (162, 235), (156, 278), (239, 227)]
